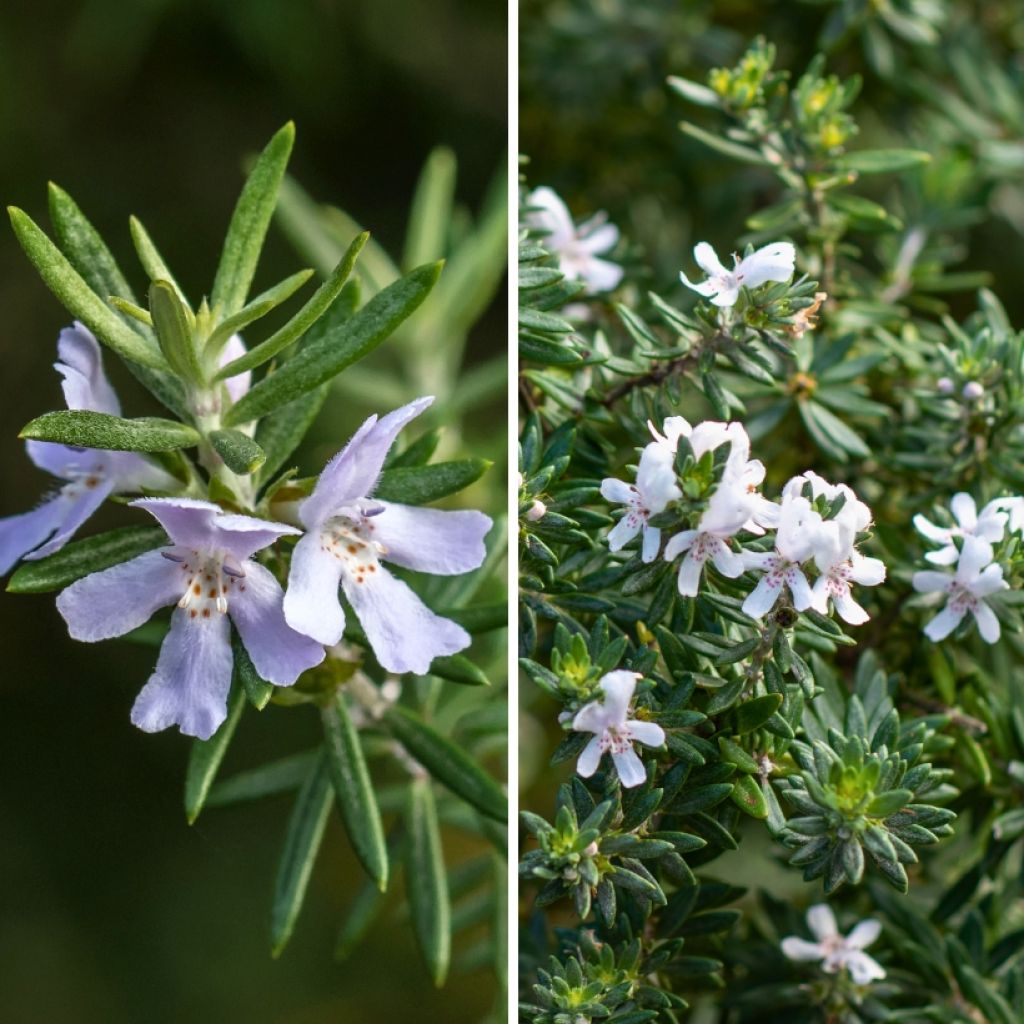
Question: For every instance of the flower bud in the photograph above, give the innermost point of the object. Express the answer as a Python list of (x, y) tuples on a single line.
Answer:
[(538, 510), (944, 386), (972, 391)]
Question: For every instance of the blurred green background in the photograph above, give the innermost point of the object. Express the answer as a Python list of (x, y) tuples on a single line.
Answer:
[(111, 908)]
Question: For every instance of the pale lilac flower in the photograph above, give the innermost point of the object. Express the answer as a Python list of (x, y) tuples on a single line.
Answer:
[(976, 578), (773, 262), (349, 532), (973, 390), (796, 540), (837, 952), (944, 386), (208, 571), (989, 525), (577, 247), (655, 487), (615, 731), (91, 475)]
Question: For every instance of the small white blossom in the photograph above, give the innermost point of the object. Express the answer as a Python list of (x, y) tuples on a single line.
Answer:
[(989, 525), (772, 262), (944, 386), (615, 731), (973, 391), (577, 246), (796, 541), (837, 952), (655, 487), (975, 579)]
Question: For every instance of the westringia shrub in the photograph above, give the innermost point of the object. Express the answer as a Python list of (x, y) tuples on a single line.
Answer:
[(770, 583), (347, 596)]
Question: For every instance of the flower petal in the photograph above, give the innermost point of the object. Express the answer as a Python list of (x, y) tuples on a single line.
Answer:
[(944, 623), (796, 948), (193, 676), (933, 532), (592, 717), (589, 759), (311, 602), (690, 571), (864, 934), (989, 581), (551, 216), (651, 544), (772, 262), (927, 581), (618, 687), (822, 922), (352, 474), (707, 259), (85, 502), (601, 275), (434, 540), (976, 554), (649, 733), (278, 652), (988, 624), (119, 599), (863, 968), (761, 599), (801, 590), (404, 633), (81, 365), (21, 533), (629, 767), (623, 532), (943, 556), (617, 491), (238, 385), (964, 510)]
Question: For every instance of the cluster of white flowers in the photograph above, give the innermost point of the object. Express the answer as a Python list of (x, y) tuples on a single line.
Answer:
[(834, 951), (975, 576), (804, 538)]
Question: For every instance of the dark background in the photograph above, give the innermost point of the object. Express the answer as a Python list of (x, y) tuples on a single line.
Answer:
[(111, 908)]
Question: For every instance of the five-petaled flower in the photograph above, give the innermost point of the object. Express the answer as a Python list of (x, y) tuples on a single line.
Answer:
[(976, 578), (655, 487), (615, 731), (837, 952), (91, 475), (577, 247), (209, 573), (349, 532), (773, 262)]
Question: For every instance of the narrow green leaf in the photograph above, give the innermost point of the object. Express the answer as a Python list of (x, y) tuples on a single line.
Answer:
[(417, 485), (150, 258), (129, 309), (303, 319), (249, 224), (241, 454), (84, 248), (81, 557), (254, 310), (724, 146), (78, 298), (752, 714), (173, 323), (281, 776), (449, 764), (431, 210), (280, 433), (426, 883), (694, 92), (458, 669), (83, 428), (301, 844), (323, 359), (354, 791), (206, 755), (256, 688), (882, 161)]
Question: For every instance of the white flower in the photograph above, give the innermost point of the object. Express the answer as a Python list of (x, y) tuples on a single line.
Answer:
[(614, 731), (975, 579), (655, 487), (837, 952), (989, 525), (576, 246), (772, 262), (840, 564), (703, 438), (854, 514), (796, 540)]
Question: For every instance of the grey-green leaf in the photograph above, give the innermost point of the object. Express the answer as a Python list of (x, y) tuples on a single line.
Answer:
[(174, 331), (256, 688), (78, 298), (354, 791), (323, 359), (254, 310), (206, 755), (82, 557), (249, 224), (448, 763), (83, 428), (315, 308), (241, 454), (426, 883), (417, 485), (301, 844)]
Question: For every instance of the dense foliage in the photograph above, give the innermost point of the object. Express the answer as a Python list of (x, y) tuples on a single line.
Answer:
[(799, 686)]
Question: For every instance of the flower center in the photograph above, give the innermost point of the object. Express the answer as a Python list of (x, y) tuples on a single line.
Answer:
[(209, 579), (961, 599), (351, 541), (617, 738)]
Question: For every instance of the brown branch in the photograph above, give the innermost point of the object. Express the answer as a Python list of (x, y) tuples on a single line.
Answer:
[(655, 375)]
